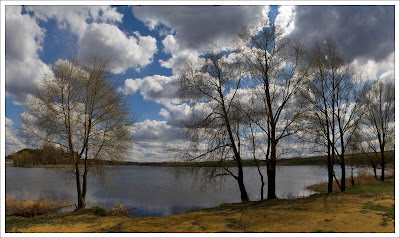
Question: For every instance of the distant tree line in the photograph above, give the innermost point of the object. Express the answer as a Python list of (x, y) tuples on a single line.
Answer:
[(34, 157), (47, 155)]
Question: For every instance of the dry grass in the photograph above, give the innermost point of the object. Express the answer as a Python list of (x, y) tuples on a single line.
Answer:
[(28, 207), (360, 179), (119, 209)]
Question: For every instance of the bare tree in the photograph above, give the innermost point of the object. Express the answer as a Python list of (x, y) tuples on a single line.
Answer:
[(276, 67), (367, 147), (355, 149), (334, 105), (80, 108), (379, 120), (214, 129), (253, 145)]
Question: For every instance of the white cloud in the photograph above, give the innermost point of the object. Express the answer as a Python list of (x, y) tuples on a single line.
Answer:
[(75, 17), (152, 152), (178, 53), (155, 131), (387, 76), (98, 34), (123, 51), (23, 42), (372, 70), (158, 88), (13, 143), (154, 141), (176, 114), (285, 19)]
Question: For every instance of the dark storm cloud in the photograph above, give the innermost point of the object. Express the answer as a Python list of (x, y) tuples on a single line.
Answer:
[(198, 26), (361, 31)]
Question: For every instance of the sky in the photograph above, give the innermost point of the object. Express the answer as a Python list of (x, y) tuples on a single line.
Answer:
[(146, 44)]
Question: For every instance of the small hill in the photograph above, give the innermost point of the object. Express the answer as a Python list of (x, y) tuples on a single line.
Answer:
[(44, 156)]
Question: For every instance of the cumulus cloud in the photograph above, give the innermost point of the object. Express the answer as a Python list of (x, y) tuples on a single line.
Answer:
[(158, 88), (151, 130), (285, 19), (178, 53), (175, 114), (387, 76), (372, 69), (98, 34), (123, 51), (13, 143), (362, 32), (76, 18), (154, 141), (23, 42), (152, 152), (194, 28)]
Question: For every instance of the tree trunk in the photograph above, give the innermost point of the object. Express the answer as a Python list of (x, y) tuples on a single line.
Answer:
[(383, 164), (352, 177), (271, 172), (330, 174), (262, 183), (262, 190), (261, 176), (236, 152), (373, 167), (330, 169), (81, 201), (84, 184), (343, 168), (333, 160), (243, 192)]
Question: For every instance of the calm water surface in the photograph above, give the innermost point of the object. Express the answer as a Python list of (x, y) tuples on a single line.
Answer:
[(160, 191)]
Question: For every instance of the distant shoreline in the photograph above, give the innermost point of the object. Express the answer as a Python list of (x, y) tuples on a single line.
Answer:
[(358, 160)]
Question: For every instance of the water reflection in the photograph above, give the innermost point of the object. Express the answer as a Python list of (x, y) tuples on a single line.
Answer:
[(158, 191)]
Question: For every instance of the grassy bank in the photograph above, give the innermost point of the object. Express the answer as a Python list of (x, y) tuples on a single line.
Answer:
[(28, 207), (365, 208), (359, 180)]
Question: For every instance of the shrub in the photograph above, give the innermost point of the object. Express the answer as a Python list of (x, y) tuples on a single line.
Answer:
[(119, 209), (98, 211), (27, 207)]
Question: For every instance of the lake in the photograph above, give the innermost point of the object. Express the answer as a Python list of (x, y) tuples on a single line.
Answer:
[(160, 191)]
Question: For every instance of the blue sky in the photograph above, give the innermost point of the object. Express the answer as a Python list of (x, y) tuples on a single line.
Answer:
[(62, 43), (147, 42)]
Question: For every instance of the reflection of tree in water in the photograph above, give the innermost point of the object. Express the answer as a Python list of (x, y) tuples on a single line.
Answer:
[(201, 178)]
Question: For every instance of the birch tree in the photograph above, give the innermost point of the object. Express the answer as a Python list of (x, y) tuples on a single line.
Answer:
[(80, 108)]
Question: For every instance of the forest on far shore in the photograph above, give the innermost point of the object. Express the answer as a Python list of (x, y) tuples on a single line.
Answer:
[(50, 155)]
